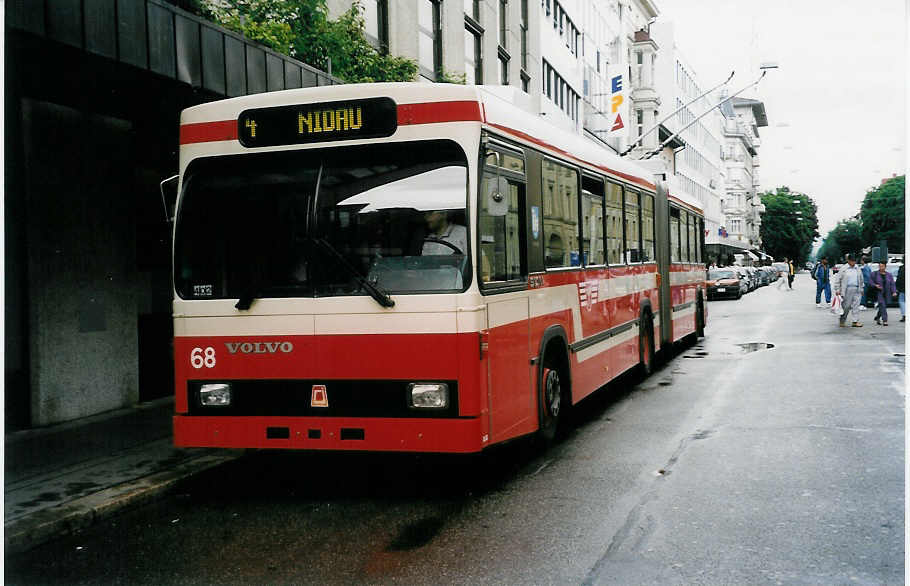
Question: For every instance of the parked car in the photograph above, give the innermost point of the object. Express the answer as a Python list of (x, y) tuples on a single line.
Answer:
[(871, 297), (745, 279), (751, 278), (764, 276), (724, 282)]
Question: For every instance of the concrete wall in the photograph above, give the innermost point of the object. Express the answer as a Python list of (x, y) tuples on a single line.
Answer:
[(81, 264)]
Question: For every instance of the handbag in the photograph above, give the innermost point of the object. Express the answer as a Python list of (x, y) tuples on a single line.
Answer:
[(836, 306)]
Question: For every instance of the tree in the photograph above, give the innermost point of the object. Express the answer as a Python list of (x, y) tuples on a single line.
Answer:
[(302, 29), (882, 214), (789, 224), (845, 238)]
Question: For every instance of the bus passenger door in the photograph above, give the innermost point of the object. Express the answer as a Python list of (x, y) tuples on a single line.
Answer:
[(502, 272), (509, 369)]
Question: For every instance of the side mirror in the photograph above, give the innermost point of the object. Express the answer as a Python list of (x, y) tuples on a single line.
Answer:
[(497, 196), (169, 196)]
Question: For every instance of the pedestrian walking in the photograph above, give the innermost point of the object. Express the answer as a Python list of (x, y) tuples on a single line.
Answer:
[(899, 283), (849, 287), (867, 278), (790, 275), (784, 280), (882, 285), (822, 275)]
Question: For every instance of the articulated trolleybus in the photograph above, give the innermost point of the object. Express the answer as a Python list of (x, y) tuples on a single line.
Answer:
[(412, 267)]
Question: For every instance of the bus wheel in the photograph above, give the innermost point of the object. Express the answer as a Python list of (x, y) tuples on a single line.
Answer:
[(550, 404), (700, 318), (646, 346)]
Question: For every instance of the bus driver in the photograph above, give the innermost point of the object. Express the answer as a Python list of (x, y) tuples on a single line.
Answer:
[(441, 230)]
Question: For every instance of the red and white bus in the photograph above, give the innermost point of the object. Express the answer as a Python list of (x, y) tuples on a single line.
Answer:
[(412, 267)]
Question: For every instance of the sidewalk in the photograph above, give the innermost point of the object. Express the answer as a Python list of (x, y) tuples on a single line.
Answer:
[(62, 478)]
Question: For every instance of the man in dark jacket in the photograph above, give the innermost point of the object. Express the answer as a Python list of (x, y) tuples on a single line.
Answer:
[(882, 285), (900, 291), (822, 282)]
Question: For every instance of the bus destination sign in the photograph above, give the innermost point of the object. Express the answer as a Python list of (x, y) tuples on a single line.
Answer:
[(321, 122)]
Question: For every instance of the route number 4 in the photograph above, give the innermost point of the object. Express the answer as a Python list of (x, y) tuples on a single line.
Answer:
[(200, 357)]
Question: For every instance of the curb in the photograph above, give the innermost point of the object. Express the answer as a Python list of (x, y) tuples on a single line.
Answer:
[(36, 529)]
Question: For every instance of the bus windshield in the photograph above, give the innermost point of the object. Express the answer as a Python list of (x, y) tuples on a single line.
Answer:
[(324, 222)]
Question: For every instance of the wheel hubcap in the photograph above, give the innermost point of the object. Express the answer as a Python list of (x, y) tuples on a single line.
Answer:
[(552, 395)]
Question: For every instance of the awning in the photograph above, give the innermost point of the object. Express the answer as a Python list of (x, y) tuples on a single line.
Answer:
[(752, 256)]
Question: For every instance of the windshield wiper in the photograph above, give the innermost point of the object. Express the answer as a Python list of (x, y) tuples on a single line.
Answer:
[(381, 296)]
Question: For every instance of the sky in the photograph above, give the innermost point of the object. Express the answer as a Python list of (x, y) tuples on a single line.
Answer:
[(836, 106)]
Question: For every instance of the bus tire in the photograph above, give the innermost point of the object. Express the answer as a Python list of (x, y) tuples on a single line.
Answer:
[(646, 345), (551, 401)]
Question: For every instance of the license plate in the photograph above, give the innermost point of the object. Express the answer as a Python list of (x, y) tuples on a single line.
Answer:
[(721, 290)]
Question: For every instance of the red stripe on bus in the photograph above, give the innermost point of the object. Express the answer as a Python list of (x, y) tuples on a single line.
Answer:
[(208, 131), (408, 114), (528, 137), (429, 113)]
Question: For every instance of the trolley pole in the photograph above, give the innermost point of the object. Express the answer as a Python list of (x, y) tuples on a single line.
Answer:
[(675, 112), (651, 153)]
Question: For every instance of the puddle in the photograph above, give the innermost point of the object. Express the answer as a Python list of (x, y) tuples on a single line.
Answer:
[(755, 346), (417, 534)]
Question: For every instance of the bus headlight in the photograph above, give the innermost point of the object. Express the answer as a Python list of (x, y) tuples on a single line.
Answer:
[(215, 395), (428, 395)]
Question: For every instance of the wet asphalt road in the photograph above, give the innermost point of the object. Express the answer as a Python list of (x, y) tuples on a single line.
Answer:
[(775, 466)]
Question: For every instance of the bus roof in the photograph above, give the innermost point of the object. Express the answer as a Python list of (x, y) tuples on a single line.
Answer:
[(497, 108)]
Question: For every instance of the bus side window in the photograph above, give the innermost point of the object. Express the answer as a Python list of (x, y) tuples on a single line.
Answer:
[(630, 203), (701, 240), (614, 224), (592, 220), (674, 234), (647, 227), (501, 228), (684, 236), (559, 188), (693, 241)]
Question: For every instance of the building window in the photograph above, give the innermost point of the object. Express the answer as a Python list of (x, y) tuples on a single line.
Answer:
[(503, 68), (562, 93), (503, 24), (524, 35), (429, 41), (376, 23), (472, 9), (639, 121), (473, 59)]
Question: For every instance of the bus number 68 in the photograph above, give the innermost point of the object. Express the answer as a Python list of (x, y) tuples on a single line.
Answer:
[(200, 357)]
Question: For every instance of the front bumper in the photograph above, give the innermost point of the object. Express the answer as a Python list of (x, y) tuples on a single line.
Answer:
[(461, 435)]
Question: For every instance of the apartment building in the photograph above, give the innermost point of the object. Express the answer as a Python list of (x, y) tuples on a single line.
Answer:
[(559, 53), (741, 205), (700, 172)]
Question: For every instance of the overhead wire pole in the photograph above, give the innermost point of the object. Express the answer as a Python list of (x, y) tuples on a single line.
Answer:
[(651, 153), (675, 112)]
